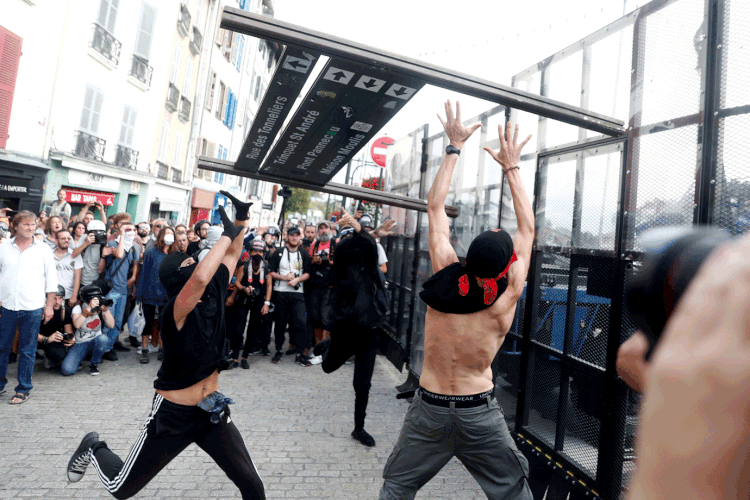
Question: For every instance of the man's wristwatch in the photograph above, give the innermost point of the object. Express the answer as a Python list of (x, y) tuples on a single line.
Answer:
[(452, 150)]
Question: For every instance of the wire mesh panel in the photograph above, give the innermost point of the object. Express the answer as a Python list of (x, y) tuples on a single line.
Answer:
[(732, 177)]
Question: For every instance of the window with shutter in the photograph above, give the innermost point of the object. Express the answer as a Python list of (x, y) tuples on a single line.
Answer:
[(93, 100), (177, 151), (210, 94), (220, 106), (107, 15), (211, 150), (257, 88), (163, 143), (176, 56), (127, 128), (145, 33), (10, 55), (188, 77), (239, 51)]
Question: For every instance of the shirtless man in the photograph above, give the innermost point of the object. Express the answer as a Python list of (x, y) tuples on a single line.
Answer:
[(470, 310), (187, 407)]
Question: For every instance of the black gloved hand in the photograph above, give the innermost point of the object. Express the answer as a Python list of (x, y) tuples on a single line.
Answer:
[(241, 207), (229, 228)]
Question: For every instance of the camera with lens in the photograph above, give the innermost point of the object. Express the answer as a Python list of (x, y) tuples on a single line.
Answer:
[(672, 257), (90, 292), (67, 337), (100, 237), (323, 255), (296, 275), (255, 294)]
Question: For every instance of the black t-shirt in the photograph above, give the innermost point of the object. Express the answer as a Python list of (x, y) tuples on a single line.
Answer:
[(57, 323), (193, 353), (193, 247), (257, 281)]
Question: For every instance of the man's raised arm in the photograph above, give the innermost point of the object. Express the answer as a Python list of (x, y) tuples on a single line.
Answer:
[(509, 157), (441, 252)]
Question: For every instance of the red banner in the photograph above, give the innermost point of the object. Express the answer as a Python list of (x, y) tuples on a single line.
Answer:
[(83, 197), (198, 214)]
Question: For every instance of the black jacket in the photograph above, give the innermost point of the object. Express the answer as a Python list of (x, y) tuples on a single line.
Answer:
[(359, 286)]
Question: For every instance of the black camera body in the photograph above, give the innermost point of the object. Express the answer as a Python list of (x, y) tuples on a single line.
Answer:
[(100, 237), (67, 337), (254, 295), (673, 256), (296, 287)]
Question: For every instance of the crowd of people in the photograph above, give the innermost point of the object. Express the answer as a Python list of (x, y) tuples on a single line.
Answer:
[(78, 281)]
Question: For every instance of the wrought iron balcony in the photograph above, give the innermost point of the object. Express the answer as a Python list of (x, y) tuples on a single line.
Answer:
[(106, 44), (196, 42), (176, 176), (140, 70), (126, 157), (89, 146), (184, 115), (173, 97), (162, 170), (183, 21)]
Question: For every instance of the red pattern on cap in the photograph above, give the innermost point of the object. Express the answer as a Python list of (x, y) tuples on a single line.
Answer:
[(489, 284), (463, 285)]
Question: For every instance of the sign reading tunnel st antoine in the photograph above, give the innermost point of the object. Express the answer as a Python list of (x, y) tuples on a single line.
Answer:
[(348, 104), (291, 73)]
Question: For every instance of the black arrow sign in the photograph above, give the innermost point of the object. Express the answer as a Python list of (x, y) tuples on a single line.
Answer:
[(338, 75), (296, 64), (400, 91), (371, 83)]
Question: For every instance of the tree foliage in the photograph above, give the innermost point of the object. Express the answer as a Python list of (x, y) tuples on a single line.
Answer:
[(299, 201)]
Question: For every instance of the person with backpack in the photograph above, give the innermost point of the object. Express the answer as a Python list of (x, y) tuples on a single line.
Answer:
[(359, 305)]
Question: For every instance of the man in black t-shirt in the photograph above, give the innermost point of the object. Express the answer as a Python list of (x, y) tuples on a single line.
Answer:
[(187, 407)]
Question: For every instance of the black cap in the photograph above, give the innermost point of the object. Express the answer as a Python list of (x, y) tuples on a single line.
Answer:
[(60, 291), (293, 230)]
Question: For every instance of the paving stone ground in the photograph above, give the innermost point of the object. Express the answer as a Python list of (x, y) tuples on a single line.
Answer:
[(295, 421)]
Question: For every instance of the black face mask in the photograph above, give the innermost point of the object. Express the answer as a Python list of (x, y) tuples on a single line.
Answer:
[(257, 259)]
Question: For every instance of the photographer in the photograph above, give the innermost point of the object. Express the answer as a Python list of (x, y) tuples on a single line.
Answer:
[(321, 281), (252, 294), (89, 247), (270, 237), (290, 267), (310, 234), (56, 334), (89, 313)]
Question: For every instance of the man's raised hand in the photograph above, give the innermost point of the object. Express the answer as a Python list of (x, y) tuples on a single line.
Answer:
[(386, 228), (509, 155), (347, 219), (457, 133)]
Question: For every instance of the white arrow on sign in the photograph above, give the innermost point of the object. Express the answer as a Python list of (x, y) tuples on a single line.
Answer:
[(296, 64), (338, 75), (369, 83), (400, 91)]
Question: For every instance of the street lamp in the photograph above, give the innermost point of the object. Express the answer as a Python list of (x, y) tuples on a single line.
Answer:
[(285, 193)]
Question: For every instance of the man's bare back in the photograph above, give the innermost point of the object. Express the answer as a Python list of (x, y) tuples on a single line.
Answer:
[(459, 348)]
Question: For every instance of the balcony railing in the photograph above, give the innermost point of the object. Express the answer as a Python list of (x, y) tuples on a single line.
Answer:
[(126, 157), (173, 97), (183, 22), (162, 170), (196, 42), (184, 115), (176, 176), (140, 70), (106, 44), (89, 146)]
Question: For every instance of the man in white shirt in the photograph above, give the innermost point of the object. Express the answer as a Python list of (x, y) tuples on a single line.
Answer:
[(27, 273), (69, 269)]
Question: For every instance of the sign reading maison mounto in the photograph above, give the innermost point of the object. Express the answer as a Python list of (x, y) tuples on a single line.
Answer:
[(291, 73), (348, 104)]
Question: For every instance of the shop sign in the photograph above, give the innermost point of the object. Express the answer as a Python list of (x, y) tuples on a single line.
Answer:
[(79, 196), (135, 187), (93, 179), (14, 188)]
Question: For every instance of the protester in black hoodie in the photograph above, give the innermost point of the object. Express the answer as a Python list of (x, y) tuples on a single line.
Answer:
[(359, 305)]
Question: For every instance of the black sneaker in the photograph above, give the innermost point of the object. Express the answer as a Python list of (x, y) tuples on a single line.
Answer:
[(321, 347), (160, 355), (119, 347), (244, 364), (233, 364), (93, 370), (277, 357), (144, 356), (82, 457), (110, 356), (291, 351), (134, 341), (363, 437), (264, 351), (302, 360), (254, 351)]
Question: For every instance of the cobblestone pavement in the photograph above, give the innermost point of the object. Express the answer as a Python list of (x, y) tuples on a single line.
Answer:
[(295, 421)]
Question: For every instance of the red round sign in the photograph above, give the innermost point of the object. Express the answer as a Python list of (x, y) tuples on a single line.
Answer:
[(380, 148)]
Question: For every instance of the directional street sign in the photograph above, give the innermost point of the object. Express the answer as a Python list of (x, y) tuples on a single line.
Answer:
[(287, 82), (346, 106)]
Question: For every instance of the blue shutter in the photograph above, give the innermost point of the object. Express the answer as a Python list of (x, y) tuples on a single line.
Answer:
[(225, 118), (239, 52), (233, 113)]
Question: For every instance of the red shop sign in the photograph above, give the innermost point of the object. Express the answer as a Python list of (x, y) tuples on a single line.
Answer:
[(80, 196)]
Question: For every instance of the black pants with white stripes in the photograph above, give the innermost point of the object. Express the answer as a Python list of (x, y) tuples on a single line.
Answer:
[(169, 429)]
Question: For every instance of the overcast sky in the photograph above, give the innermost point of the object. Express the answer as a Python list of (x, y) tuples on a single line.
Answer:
[(489, 39)]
